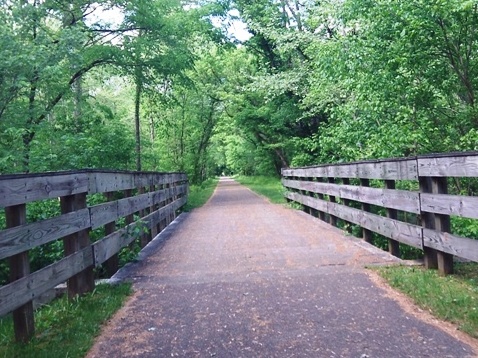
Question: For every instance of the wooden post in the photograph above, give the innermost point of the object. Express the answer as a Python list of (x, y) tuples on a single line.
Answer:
[(332, 218), (393, 245), (162, 223), (366, 234), (428, 221), (84, 281), (23, 320), (312, 211), (174, 197), (129, 218), (442, 223), (321, 197), (143, 237), (346, 181), (168, 201), (112, 264), (152, 208), (306, 209)]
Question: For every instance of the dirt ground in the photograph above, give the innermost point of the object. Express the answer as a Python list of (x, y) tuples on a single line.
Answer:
[(241, 277)]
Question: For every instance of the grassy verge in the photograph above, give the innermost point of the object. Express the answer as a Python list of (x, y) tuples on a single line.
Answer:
[(453, 298), (65, 328), (270, 187), (199, 194)]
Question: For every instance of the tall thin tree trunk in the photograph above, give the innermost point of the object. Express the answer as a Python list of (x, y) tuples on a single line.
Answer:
[(77, 86), (138, 74), (29, 132), (137, 105)]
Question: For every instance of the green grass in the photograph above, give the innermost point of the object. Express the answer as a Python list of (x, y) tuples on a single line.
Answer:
[(453, 298), (270, 187), (65, 328), (200, 194)]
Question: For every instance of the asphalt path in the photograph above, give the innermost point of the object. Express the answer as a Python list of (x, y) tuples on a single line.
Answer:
[(241, 277)]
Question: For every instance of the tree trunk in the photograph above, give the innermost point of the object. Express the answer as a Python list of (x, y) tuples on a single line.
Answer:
[(138, 74), (137, 104), (77, 98)]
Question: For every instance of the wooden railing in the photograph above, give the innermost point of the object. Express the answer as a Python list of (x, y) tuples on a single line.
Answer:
[(153, 198), (343, 191)]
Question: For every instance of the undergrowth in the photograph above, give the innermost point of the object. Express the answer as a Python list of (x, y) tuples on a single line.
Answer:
[(270, 187), (453, 298), (200, 194), (65, 328)]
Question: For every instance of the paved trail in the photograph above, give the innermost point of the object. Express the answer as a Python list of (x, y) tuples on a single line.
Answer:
[(241, 277)]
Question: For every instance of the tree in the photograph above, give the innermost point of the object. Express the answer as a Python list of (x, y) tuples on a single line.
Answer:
[(395, 77), (48, 47)]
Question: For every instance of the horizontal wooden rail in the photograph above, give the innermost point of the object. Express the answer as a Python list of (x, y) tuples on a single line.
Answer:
[(154, 198), (328, 190)]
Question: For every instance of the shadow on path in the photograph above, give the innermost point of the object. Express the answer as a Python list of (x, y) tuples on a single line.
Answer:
[(241, 277)]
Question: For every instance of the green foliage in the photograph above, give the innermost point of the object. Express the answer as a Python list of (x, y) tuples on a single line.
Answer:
[(464, 227), (406, 252), (270, 187), (452, 298), (200, 194), (129, 254), (66, 328), (397, 84)]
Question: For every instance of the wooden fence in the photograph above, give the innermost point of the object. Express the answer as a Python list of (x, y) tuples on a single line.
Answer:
[(152, 198), (344, 192)]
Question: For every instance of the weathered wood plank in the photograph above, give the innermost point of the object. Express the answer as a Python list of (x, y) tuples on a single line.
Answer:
[(388, 198), (133, 204), (449, 166), (458, 205), (111, 244), (160, 196), (349, 170), (163, 195), (296, 172), (394, 229), (25, 189), (314, 203), (102, 214), (454, 245), (387, 170), (25, 237), (107, 182), (142, 180), (24, 290), (286, 172)]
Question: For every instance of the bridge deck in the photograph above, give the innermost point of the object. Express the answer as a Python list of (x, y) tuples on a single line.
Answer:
[(241, 277)]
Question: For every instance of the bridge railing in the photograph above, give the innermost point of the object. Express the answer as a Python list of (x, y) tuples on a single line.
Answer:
[(144, 199), (344, 191)]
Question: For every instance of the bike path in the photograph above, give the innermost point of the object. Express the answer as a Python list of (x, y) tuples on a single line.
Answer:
[(241, 277)]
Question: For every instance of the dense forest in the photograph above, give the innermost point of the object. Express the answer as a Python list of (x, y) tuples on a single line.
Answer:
[(165, 85)]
